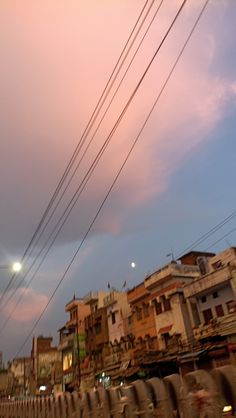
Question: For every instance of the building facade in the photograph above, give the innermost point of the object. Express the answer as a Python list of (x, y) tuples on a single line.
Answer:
[(72, 344), (211, 300), (173, 326), (45, 359)]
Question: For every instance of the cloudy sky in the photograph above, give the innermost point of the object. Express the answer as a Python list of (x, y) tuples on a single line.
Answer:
[(56, 58)]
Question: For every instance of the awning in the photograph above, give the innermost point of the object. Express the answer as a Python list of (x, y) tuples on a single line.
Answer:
[(165, 329), (124, 365), (191, 356), (131, 371), (166, 359)]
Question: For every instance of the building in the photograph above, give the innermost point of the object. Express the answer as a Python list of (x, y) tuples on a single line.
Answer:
[(212, 308), (72, 343), (142, 334), (96, 329), (165, 286), (117, 356), (118, 310), (45, 359), (142, 321), (5, 383), (19, 368)]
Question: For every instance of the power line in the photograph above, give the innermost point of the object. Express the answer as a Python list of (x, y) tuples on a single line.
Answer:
[(86, 178), (208, 234), (115, 179), (88, 127), (101, 120), (220, 239)]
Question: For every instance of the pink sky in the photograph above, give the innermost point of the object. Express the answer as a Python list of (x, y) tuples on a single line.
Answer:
[(56, 59)]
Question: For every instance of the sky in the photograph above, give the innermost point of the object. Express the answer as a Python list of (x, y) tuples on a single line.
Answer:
[(178, 183)]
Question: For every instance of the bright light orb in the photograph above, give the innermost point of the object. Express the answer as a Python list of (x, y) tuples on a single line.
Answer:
[(133, 265), (16, 267)]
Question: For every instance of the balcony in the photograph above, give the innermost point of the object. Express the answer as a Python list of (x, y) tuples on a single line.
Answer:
[(112, 359), (223, 326), (73, 304), (66, 342), (209, 281)]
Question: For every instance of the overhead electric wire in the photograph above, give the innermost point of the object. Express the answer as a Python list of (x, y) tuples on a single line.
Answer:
[(114, 181), (79, 190), (81, 141), (208, 234), (220, 239), (98, 108), (95, 132)]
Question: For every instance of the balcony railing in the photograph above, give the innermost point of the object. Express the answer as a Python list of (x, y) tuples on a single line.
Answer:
[(90, 297), (66, 341), (225, 325), (109, 299), (172, 269), (208, 281)]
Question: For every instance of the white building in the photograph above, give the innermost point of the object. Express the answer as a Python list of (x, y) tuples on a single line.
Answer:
[(118, 310), (211, 297)]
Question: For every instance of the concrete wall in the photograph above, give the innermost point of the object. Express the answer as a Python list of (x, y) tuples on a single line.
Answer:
[(198, 394)]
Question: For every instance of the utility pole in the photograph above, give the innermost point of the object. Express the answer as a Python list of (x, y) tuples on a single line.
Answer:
[(24, 379), (78, 369)]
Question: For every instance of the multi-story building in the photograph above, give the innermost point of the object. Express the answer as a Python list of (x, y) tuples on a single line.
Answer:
[(211, 300), (72, 343), (96, 329), (6, 383), (142, 321), (117, 356), (118, 310), (45, 360), (173, 326), (19, 368), (141, 331)]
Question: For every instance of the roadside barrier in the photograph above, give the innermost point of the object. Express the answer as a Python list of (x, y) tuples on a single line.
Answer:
[(198, 394)]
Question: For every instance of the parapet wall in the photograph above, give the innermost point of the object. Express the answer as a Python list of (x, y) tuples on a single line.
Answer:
[(197, 394)]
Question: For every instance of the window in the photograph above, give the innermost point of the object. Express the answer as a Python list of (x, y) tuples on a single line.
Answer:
[(139, 314), (196, 317), (166, 338), (158, 307), (98, 328), (207, 314), (231, 306), (145, 310), (217, 265), (113, 318), (167, 306), (219, 310), (215, 295), (203, 299)]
